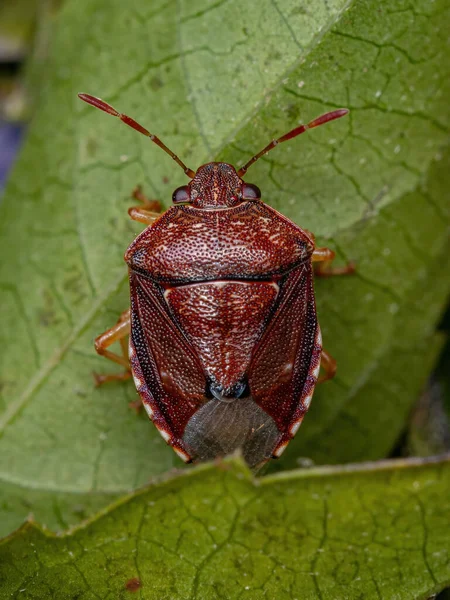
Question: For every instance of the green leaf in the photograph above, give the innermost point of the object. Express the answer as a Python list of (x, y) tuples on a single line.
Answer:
[(216, 80), (377, 531)]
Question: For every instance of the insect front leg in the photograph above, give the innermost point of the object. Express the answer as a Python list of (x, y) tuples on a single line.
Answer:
[(324, 256), (329, 365), (152, 205), (148, 212), (119, 333)]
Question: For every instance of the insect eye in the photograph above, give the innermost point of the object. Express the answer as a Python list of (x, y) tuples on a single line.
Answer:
[(181, 194), (251, 192)]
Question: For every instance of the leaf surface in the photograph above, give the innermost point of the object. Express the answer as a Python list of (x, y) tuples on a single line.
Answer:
[(216, 533), (219, 80)]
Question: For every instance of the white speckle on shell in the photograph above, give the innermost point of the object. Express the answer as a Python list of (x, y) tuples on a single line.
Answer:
[(279, 451), (307, 400), (137, 381), (148, 410), (295, 426), (183, 455), (316, 370), (165, 434), (319, 337)]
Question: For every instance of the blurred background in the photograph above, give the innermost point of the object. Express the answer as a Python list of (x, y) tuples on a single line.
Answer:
[(25, 30)]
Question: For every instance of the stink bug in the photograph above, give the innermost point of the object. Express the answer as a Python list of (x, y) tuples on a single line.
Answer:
[(224, 343)]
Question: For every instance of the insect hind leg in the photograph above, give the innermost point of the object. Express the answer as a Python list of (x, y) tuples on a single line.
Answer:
[(329, 365)]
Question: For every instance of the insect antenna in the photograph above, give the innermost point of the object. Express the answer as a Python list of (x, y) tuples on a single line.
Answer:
[(135, 125), (330, 116)]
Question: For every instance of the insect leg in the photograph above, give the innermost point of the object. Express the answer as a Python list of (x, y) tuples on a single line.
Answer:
[(117, 333), (152, 205), (143, 216), (328, 364), (325, 256), (149, 212)]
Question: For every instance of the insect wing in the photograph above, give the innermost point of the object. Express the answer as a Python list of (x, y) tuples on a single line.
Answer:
[(285, 366), (167, 373)]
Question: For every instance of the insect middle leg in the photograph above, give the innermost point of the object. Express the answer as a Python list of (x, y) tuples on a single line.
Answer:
[(325, 256), (119, 333)]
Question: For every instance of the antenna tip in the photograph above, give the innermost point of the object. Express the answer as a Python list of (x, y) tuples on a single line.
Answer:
[(98, 104), (85, 97)]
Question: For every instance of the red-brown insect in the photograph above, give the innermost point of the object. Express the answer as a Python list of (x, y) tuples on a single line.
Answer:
[(224, 347)]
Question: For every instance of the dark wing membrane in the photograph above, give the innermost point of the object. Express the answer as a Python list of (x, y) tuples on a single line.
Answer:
[(167, 373), (284, 367)]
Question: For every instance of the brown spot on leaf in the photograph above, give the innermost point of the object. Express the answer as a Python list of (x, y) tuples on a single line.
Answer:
[(133, 585)]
